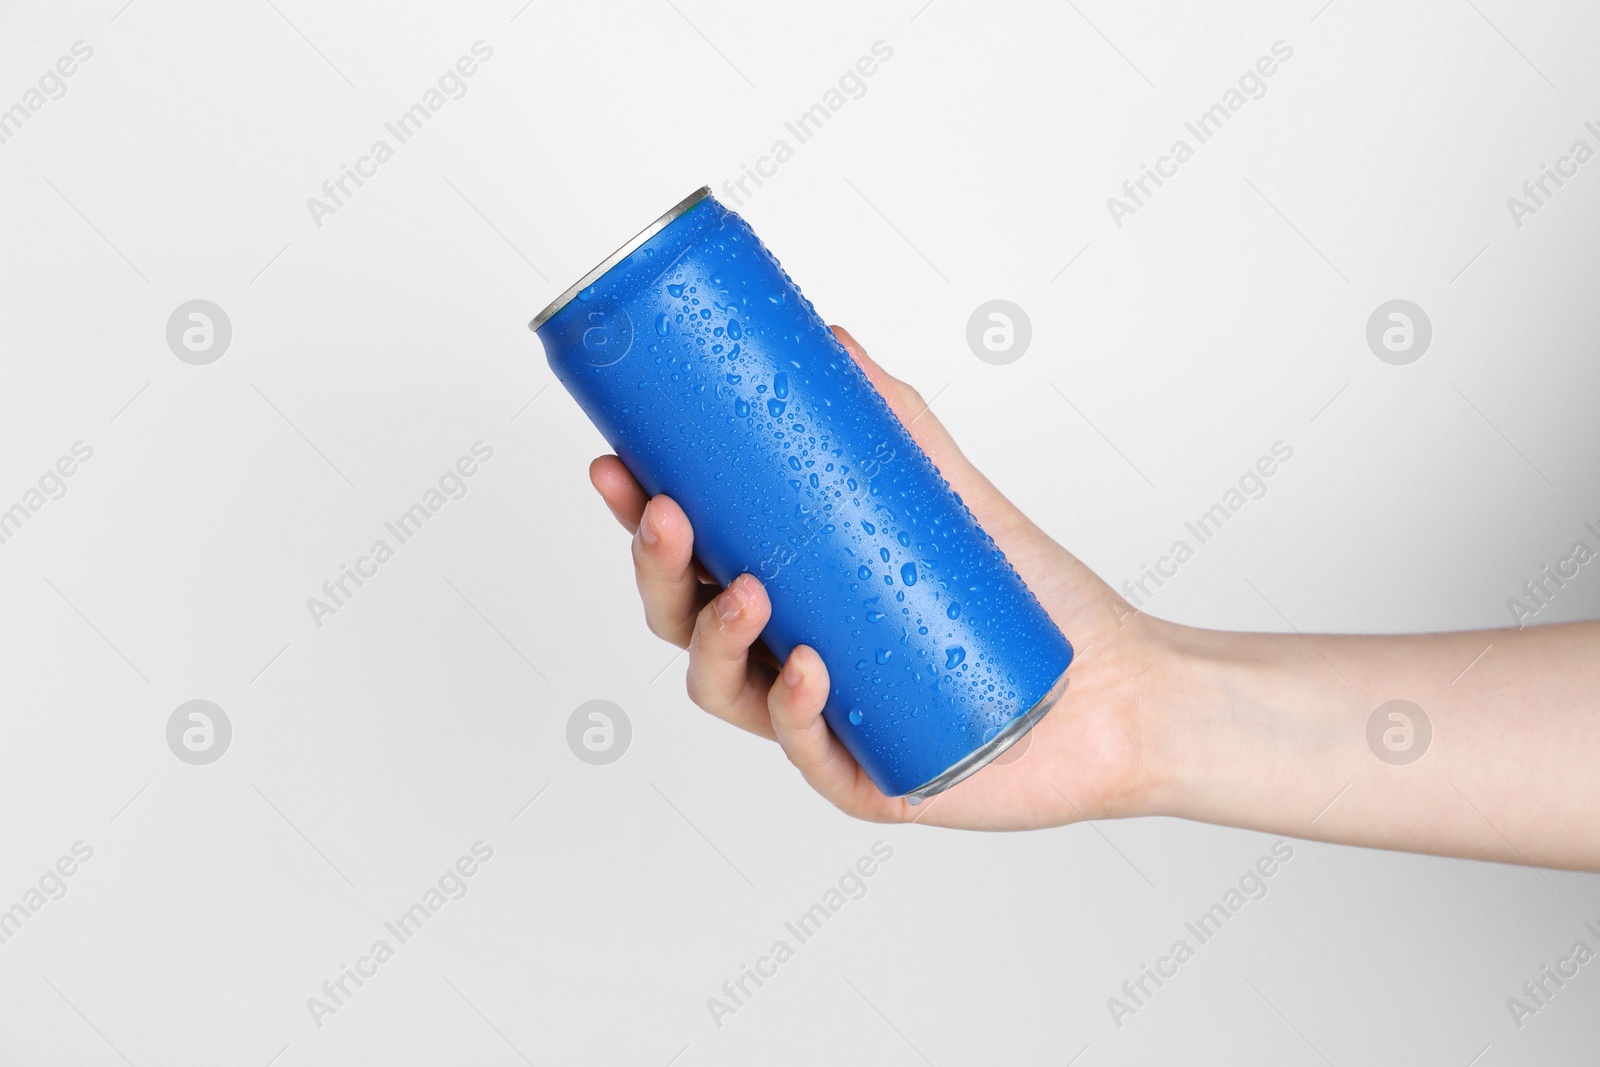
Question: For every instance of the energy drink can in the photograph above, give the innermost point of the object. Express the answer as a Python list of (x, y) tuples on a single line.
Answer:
[(717, 383)]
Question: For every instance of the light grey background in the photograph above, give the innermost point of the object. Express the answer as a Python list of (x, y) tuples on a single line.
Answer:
[(368, 354)]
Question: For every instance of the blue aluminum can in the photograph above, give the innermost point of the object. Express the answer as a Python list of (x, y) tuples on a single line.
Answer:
[(717, 383)]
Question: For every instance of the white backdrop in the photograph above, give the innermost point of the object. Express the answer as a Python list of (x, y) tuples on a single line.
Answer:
[(376, 339)]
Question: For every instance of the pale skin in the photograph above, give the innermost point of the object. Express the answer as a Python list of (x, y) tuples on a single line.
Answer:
[(1263, 731)]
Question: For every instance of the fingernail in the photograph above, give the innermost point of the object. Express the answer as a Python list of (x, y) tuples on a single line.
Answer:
[(731, 602), (647, 527), (791, 673)]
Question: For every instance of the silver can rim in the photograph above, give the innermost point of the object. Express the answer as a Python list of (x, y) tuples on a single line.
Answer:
[(620, 254), (975, 761)]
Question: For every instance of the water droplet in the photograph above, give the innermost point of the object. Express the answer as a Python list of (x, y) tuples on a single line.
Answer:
[(867, 526), (735, 331), (741, 408), (780, 383), (908, 574), (953, 657), (905, 539), (954, 610), (661, 324), (864, 573), (874, 616), (861, 664), (855, 716), (675, 290), (775, 407), (883, 656)]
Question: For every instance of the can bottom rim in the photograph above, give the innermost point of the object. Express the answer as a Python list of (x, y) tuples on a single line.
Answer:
[(975, 761)]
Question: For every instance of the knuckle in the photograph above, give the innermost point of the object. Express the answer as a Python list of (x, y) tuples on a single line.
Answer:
[(655, 626), (794, 747), (707, 694), (664, 626), (697, 632), (641, 561), (694, 687)]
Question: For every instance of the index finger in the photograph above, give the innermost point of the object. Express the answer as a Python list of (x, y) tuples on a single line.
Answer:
[(620, 490), (626, 498)]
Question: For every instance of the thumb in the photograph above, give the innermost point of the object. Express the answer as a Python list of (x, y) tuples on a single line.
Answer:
[(993, 510)]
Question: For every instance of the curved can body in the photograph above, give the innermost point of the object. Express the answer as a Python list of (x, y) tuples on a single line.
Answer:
[(717, 383)]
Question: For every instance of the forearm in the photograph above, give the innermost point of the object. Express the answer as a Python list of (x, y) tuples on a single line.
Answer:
[(1270, 732)]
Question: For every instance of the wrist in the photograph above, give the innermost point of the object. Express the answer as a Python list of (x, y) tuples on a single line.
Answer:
[(1178, 669), (1232, 730)]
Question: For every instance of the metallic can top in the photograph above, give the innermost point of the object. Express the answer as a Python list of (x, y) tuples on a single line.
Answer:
[(620, 254)]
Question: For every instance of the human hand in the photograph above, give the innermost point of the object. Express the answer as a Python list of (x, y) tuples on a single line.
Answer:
[(1087, 758), (1239, 729)]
